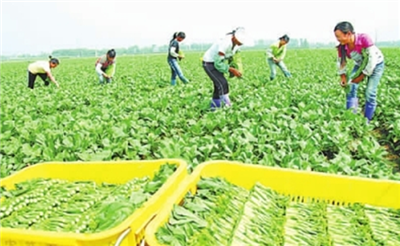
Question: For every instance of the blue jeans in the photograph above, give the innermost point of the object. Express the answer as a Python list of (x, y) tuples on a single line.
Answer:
[(101, 78), (281, 65), (176, 71), (372, 84)]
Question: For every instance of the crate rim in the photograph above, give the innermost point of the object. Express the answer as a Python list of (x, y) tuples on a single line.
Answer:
[(203, 165)]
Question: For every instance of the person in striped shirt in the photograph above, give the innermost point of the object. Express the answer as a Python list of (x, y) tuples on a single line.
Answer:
[(275, 55), (369, 65), (105, 66)]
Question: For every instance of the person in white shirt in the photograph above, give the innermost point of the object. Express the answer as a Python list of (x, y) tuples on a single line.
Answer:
[(215, 65), (43, 69), (105, 66)]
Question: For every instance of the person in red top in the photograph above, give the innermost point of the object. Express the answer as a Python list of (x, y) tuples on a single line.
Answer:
[(369, 65), (105, 66)]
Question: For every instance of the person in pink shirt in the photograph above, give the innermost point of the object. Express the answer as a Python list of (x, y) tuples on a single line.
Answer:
[(369, 65)]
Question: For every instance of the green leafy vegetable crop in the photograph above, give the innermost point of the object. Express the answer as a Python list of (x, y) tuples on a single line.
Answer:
[(80, 207), (221, 213)]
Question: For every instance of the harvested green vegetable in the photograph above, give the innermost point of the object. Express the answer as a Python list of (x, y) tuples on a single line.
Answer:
[(221, 213), (81, 207)]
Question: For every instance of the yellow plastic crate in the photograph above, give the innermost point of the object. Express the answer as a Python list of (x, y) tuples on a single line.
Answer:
[(335, 189), (128, 233)]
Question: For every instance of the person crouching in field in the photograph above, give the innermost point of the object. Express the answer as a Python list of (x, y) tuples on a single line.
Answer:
[(369, 63), (173, 55), (43, 69), (275, 55), (105, 66), (215, 64)]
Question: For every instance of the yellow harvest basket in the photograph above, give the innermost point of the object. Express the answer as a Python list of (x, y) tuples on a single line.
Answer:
[(300, 185), (129, 233)]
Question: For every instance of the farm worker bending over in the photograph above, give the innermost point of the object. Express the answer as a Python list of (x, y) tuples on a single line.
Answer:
[(369, 63), (215, 64), (105, 66), (174, 54), (275, 55), (43, 69)]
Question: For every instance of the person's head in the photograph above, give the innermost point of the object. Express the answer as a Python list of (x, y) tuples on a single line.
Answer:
[(284, 39), (111, 54), (179, 36), (53, 62), (344, 32), (238, 36)]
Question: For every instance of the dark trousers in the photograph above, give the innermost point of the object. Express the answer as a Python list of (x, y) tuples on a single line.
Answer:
[(221, 86), (32, 78)]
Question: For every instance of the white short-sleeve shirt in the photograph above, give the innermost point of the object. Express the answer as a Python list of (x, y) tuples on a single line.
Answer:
[(224, 45)]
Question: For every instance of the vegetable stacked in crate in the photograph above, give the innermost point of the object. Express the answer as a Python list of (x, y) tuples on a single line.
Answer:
[(221, 213), (80, 207), (86, 203), (238, 204)]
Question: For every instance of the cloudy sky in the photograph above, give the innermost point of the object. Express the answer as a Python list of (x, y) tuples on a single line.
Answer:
[(42, 26)]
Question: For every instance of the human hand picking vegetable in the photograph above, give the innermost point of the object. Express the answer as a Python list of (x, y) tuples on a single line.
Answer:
[(358, 79), (235, 72), (343, 80)]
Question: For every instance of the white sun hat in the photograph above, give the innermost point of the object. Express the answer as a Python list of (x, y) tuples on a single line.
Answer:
[(240, 34)]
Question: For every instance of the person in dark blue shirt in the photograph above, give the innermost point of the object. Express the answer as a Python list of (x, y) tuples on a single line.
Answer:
[(174, 54)]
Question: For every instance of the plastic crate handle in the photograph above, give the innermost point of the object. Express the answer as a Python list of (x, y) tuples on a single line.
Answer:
[(122, 237)]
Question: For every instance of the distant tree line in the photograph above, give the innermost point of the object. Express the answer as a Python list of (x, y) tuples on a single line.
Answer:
[(136, 50)]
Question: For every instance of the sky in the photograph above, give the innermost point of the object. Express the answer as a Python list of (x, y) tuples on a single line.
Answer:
[(33, 27)]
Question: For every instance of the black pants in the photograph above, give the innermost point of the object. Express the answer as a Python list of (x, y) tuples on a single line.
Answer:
[(32, 78), (221, 86)]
